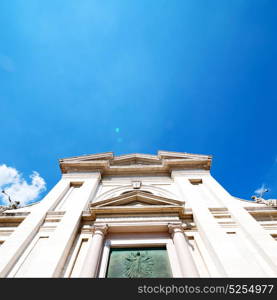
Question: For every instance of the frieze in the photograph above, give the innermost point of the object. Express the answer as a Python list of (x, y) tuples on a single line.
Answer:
[(137, 218)]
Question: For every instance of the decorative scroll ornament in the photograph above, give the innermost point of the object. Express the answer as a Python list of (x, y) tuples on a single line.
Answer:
[(138, 265)]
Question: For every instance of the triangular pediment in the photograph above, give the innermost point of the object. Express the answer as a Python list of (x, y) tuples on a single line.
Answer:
[(137, 198), (135, 159)]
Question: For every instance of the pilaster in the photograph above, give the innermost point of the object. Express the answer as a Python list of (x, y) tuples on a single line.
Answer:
[(249, 227), (226, 256), (55, 252), (11, 250)]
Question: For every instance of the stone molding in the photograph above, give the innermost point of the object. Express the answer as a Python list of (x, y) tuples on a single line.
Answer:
[(177, 227), (172, 228), (109, 164), (100, 229)]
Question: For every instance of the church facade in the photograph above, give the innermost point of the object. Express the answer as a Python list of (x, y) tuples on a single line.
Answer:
[(139, 215)]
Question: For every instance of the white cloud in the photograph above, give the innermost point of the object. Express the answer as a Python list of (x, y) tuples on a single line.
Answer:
[(8, 175), (18, 188)]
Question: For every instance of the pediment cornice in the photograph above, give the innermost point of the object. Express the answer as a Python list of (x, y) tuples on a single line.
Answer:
[(137, 202), (136, 196), (107, 163)]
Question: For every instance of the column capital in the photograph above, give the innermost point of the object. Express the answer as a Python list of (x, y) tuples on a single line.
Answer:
[(175, 227), (100, 229)]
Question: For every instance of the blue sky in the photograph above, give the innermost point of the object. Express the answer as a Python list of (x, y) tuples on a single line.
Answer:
[(82, 77)]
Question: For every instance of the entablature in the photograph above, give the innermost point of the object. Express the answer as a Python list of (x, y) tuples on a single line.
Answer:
[(136, 163)]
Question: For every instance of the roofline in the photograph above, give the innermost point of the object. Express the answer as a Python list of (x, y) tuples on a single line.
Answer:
[(108, 163)]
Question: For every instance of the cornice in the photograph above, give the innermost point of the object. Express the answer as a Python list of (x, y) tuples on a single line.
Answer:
[(137, 202), (135, 163)]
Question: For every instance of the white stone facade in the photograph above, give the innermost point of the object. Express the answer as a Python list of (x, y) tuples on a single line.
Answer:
[(170, 199)]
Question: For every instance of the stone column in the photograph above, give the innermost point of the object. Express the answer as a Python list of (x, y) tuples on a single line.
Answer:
[(185, 258), (91, 261)]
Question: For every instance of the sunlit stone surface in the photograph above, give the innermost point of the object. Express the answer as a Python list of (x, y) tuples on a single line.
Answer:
[(139, 216)]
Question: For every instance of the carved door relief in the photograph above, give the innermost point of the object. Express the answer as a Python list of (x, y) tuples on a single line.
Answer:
[(139, 263)]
